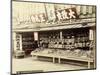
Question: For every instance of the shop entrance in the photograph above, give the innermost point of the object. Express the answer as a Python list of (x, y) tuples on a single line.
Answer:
[(28, 42)]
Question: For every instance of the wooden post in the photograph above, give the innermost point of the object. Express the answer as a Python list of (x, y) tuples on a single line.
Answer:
[(53, 59), (20, 41), (92, 37), (59, 60), (14, 41), (89, 64), (94, 48)]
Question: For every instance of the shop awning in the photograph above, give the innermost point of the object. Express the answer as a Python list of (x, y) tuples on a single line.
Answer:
[(83, 25)]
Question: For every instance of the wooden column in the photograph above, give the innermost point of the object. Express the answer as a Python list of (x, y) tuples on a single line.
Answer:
[(53, 59), (94, 48), (59, 60), (92, 38), (89, 65), (14, 41), (20, 42)]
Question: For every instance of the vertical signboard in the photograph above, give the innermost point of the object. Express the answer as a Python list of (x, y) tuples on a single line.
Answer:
[(91, 34), (35, 36), (50, 9)]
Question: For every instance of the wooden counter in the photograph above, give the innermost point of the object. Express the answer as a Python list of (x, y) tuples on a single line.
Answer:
[(53, 56)]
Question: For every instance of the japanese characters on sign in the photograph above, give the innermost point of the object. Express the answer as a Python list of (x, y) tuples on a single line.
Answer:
[(66, 14), (38, 18), (57, 15)]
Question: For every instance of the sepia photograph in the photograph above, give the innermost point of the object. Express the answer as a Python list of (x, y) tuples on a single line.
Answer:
[(52, 37)]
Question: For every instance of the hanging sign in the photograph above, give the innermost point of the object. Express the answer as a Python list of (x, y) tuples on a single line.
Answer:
[(90, 34), (35, 36)]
